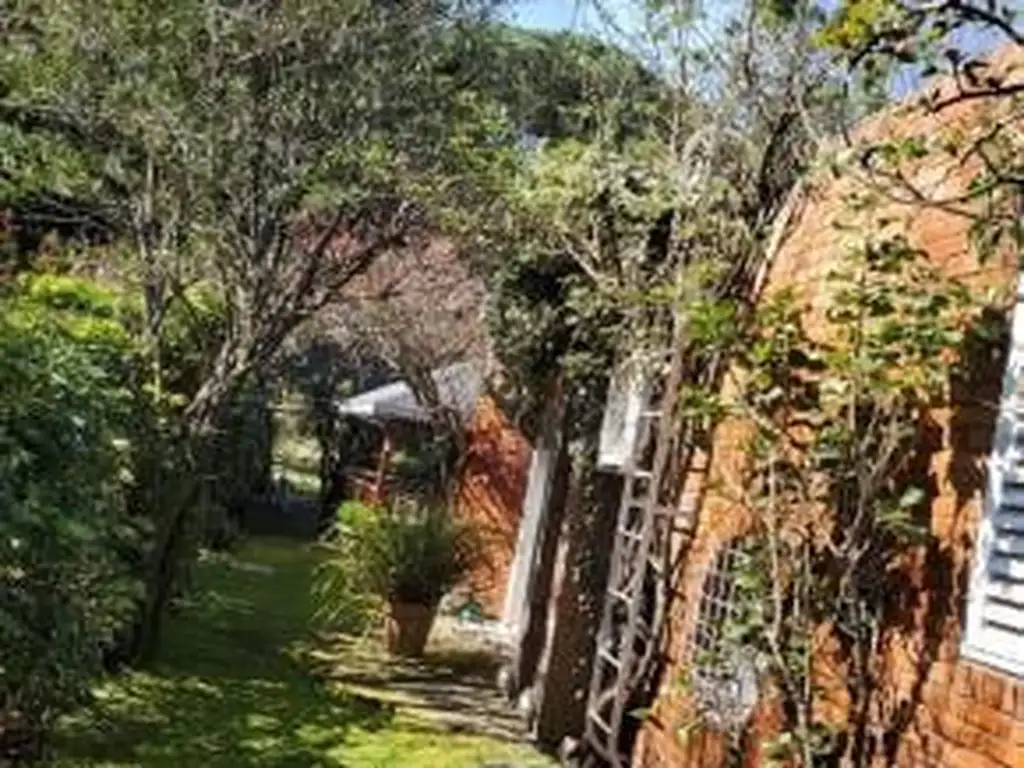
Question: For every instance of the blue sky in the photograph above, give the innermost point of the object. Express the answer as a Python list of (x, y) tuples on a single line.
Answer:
[(565, 14), (581, 15), (545, 14)]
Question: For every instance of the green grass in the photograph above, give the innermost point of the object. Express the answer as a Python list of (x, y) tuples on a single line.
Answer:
[(297, 457), (230, 688), (299, 481), (297, 460)]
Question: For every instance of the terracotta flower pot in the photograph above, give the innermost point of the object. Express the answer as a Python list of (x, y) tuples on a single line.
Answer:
[(406, 627)]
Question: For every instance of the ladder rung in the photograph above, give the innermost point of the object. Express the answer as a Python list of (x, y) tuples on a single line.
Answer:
[(642, 474), (681, 524), (610, 657), (668, 510), (619, 595), (651, 414), (631, 535)]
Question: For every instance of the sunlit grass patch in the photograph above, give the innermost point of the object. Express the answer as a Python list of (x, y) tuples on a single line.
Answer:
[(231, 688)]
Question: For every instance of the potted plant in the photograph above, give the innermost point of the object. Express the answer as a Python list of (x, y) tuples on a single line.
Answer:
[(408, 554)]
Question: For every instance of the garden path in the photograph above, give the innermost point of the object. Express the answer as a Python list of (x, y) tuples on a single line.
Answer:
[(452, 686)]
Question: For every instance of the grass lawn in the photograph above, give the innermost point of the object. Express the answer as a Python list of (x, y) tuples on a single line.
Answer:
[(230, 689)]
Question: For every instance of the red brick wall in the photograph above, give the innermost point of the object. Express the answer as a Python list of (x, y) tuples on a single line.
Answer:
[(490, 496), (939, 709)]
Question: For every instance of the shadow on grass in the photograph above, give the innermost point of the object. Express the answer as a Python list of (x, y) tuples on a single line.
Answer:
[(451, 687), (214, 721), (238, 683), (228, 688)]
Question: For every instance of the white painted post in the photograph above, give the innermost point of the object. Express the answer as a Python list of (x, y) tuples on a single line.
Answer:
[(535, 507), (538, 488)]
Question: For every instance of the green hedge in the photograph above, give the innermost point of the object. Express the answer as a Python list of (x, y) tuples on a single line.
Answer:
[(67, 541)]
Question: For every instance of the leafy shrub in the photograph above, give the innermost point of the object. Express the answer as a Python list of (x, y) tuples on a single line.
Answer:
[(406, 552), (415, 553), (343, 593), (66, 539)]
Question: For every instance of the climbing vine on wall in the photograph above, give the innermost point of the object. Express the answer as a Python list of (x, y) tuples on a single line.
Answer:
[(833, 407)]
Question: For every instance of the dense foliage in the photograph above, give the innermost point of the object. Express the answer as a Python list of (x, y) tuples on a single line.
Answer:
[(556, 85), (247, 163), (607, 214), (69, 546)]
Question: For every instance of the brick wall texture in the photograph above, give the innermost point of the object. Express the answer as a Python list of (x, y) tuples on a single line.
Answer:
[(935, 708), (490, 497)]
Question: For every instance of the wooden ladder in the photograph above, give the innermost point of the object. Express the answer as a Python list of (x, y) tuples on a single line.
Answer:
[(634, 602)]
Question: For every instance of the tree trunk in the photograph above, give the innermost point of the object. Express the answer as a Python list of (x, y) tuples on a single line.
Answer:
[(161, 581), (21, 742), (201, 418)]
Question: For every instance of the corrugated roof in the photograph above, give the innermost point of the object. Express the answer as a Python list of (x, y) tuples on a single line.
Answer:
[(459, 387)]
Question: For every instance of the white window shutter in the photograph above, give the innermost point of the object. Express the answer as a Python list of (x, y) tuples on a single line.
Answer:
[(995, 610), (628, 393)]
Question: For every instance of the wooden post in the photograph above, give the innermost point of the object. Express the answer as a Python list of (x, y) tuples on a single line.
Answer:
[(574, 606), (528, 598), (379, 492), (522, 574)]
